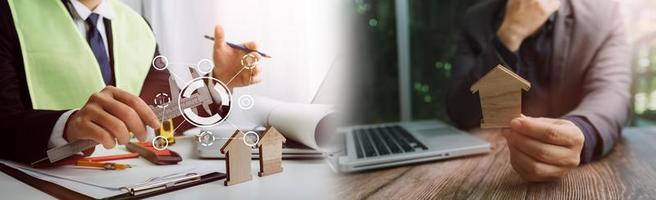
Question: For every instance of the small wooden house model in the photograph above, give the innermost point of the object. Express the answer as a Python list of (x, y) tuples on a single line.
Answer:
[(238, 159), (500, 91), (270, 146)]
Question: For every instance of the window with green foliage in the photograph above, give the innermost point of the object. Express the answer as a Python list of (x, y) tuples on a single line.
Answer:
[(434, 26), (644, 81), (376, 92)]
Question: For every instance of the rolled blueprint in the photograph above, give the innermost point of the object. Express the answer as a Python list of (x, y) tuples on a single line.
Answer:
[(304, 123)]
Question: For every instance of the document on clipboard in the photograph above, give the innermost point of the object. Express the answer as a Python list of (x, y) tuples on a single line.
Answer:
[(134, 183)]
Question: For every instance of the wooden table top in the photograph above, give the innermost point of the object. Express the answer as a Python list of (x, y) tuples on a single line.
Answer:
[(628, 172)]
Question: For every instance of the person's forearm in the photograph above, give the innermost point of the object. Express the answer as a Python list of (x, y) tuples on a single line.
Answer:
[(26, 134), (590, 146), (607, 85)]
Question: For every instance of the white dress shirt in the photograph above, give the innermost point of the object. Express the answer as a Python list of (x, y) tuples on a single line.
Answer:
[(80, 13)]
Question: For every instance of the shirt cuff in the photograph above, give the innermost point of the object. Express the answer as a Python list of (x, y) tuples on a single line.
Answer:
[(588, 153), (57, 135)]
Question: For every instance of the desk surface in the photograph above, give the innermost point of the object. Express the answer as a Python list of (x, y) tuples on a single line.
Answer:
[(301, 179), (628, 172)]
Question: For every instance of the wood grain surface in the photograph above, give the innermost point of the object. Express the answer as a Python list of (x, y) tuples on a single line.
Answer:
[(270, 147), (628, 172), (500, 92), (238, 159)]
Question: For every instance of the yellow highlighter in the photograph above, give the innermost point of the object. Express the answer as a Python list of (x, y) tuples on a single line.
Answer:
[(102, 165)]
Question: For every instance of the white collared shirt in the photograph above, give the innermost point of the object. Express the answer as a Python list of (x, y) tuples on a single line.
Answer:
[(80, 13)]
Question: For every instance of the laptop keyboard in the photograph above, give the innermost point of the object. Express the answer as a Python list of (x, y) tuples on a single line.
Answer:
[(384, 140)]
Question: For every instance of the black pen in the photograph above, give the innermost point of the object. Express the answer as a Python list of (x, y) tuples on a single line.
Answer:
[(240, 47)]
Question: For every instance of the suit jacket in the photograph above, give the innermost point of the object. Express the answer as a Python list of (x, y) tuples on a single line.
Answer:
[(25, 132), (590, 72)]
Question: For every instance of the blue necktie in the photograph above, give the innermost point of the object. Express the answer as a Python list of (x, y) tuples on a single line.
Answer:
[(98, 47)]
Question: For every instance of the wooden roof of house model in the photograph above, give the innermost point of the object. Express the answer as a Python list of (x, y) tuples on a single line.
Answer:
[(271, 134), (235, 139), (500, 78)]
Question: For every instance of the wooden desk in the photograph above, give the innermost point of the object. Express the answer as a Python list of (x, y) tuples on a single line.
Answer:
[(628, 172)]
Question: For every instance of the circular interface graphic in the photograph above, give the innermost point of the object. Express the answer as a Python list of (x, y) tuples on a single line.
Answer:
[(204, 66), (250, 60), (200, 91), (160, 143), (160, 62), (246, 102), (206, 138), (251, 138), (162, 100)]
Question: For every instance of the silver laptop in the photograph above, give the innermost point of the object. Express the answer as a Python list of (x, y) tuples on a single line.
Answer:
[(393, 144), (374, 146)]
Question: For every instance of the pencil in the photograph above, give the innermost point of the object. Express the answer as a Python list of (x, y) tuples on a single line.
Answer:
[(103, 165), (240, 47), (111, 157)]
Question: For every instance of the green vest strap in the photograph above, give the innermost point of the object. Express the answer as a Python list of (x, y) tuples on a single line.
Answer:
[(60, 68)]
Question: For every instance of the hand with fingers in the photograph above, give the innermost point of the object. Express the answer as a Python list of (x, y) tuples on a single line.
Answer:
[(523, 18), (227, 62), (109, 116), (543, 149)]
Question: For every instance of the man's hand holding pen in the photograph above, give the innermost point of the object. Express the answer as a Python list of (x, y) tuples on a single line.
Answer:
[(227, 62)]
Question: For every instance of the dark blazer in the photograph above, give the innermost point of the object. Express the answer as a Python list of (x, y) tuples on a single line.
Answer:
[(25, 132), (590, 74)]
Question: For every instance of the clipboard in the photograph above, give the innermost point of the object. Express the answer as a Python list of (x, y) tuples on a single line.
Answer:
[(161, 187)]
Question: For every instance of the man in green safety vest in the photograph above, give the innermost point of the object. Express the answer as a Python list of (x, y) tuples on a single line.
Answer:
[(74, 69)]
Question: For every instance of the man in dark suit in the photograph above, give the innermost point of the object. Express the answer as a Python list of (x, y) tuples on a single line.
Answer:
[(576, 55), (109, 115)]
